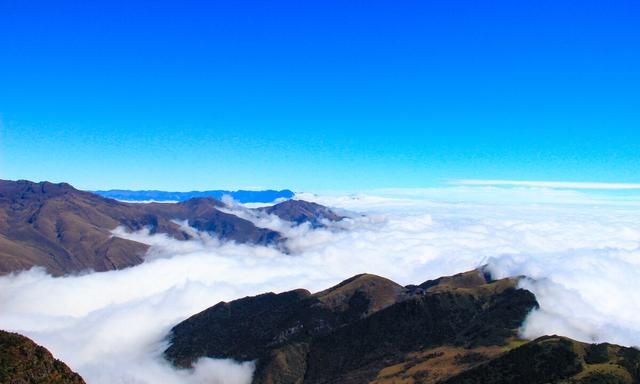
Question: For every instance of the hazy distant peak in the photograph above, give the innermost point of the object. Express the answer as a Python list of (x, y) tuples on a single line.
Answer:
[(242, 196)]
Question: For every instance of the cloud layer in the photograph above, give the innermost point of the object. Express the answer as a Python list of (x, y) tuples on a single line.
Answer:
[(583, 259)]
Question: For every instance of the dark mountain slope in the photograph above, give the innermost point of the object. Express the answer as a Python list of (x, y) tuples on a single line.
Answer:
[(24, 362), (248, 328), (460, 329), (350, 333), (553, 359)]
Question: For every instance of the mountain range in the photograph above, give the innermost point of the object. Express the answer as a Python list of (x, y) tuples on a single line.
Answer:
[(66, 230), (242, 196), (460, 329)]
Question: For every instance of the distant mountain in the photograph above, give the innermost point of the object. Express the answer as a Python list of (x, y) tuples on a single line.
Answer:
[(23, 361), (267, 196), (299, 211), (66, 230), (461, 329)]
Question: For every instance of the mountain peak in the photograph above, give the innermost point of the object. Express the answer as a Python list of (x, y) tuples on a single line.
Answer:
[(378, 292), (300, 211), (23, 189), (195, 201), (469, 279)]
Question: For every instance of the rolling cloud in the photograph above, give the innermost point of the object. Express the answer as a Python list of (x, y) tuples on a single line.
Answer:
[(582, 259)]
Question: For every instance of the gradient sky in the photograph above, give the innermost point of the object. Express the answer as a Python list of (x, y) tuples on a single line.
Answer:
[(318, 95)]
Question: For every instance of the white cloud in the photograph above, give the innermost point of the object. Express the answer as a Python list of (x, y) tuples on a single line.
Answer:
[(549, 184), (110, 326), (586, 294)]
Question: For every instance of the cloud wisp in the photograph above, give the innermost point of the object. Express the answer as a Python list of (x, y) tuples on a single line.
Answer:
[(549, 184), (583, 261)]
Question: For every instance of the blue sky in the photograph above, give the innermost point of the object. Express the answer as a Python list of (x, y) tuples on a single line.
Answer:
[(318, 95)]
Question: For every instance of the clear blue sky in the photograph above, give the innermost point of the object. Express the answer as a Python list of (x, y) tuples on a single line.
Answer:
[(317, 95)]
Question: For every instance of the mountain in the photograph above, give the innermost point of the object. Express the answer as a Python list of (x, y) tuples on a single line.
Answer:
[(299, 211), (63, 229), (66, 230), (241, 196), (461, 329), (554, 359), (365, 329), (24, 362)]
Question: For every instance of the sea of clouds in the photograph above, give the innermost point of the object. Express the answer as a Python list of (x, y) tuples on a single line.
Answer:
[(580, 250)]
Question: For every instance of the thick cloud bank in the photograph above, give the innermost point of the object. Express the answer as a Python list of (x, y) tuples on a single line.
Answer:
[(581, 252)]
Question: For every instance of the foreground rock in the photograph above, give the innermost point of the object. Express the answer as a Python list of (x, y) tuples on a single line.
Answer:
[(24, 362)]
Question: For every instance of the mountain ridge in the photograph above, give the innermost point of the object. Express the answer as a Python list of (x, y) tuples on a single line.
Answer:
[(67, 230), (460, 329), (343, 334)]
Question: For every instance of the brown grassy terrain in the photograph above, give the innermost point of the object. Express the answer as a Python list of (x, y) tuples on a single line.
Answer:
[(65, 230)]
